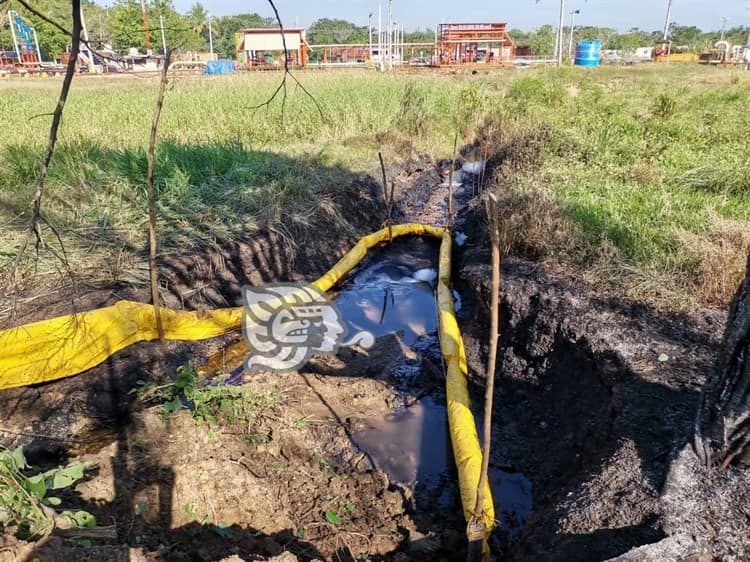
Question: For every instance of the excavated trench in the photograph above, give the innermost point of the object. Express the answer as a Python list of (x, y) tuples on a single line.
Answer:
[(595, 397)]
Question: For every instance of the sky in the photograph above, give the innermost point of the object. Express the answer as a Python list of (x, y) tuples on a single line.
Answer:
[(520, 14)]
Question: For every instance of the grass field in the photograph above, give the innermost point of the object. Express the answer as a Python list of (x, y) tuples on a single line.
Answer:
[(641, 181)]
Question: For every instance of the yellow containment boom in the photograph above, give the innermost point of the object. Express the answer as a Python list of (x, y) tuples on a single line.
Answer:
[(69, 345)]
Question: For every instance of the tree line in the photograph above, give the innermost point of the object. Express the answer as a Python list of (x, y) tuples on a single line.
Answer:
[(542, 39), (120, 26)]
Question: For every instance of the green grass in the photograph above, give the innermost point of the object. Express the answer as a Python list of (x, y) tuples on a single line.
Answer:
[(640, 160)]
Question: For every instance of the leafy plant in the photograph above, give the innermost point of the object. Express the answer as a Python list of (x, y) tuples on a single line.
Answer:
[(24, 500), (412, 118), (332, 517), (664, 105), (207, 402)]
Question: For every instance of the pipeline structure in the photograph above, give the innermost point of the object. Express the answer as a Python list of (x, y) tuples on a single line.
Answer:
[(69, 345)]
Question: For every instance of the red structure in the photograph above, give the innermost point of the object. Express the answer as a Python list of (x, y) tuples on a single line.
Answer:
[(474, 43)]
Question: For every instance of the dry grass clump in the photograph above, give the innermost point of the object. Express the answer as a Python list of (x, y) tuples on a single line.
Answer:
[(533, 224), (717, 259)]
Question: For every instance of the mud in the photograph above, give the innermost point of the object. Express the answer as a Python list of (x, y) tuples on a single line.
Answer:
[(595, 398)]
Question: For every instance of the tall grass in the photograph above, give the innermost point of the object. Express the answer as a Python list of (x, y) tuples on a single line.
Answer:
[(639, 161)]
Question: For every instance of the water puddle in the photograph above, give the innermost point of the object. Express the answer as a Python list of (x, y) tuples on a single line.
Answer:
[(398, 442), (392, 293), (412, 446)]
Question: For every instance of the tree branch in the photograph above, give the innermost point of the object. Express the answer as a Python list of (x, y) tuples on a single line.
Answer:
[(33, 228), (287, 74), (153, 272)]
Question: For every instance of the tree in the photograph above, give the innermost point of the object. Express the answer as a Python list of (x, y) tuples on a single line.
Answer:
[(226, 28), (127, 30), (723, 421), (331, 31), (419, 36)]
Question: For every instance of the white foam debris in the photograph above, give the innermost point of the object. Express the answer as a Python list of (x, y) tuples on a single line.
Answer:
[(426, 275), (460, 238), (456, 300), (458, 178), (473, 167)]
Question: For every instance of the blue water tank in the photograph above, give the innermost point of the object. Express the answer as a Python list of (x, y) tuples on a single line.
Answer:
[(588, 53)]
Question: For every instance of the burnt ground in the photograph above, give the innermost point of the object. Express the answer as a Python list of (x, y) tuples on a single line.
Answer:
[(595, 400)]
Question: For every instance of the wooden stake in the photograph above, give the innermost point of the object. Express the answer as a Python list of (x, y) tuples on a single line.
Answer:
[(385, 179), (477, 522), (450, 182), (152, 198)]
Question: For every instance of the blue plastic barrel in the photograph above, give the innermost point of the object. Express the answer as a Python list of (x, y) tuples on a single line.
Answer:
[(588, 53)]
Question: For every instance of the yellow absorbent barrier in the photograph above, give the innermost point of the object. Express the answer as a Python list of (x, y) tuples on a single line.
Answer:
[(68, 345)]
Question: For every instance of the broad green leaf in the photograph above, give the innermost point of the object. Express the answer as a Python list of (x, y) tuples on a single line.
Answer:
[(36, 486), (52, 500), (173, 405), (18, 458), (333, 517), (80, 518), (65, 477)]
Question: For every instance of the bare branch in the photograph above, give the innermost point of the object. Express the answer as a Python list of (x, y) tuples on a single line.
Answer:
[(287, 74), (33, 228), (153, 273)]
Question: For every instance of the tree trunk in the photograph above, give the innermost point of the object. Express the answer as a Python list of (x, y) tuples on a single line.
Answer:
[(723, 420)]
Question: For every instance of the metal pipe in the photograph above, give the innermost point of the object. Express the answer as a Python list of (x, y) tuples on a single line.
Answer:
[(380, 37), (572, 27), (163, 36), (13, 33), (390, 34), (560, 33), (210, 37), (666, 21), (87, 51), (36, 42)]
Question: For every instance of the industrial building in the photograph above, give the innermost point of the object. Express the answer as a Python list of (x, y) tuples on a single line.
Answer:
[(472, 43), (264, 47)]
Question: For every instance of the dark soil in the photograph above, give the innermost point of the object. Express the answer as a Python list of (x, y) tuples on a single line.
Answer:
[(595, 401)]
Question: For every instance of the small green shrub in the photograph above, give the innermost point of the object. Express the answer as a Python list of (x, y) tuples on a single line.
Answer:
[(664, 105), (208, 403), (25, 503), (412, 118)]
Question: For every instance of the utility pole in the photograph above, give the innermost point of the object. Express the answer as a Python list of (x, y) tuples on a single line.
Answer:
[(390, 34), (560, 33), (381, 60), (666, 21), (572, 27), (146, 30), (369, 30), (394, 41), (163, 36), (210, 38)]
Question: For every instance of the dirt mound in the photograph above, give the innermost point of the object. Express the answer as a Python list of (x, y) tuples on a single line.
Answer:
[(596, 399)]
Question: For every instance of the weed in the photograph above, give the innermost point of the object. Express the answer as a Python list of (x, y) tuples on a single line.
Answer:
[(632, 161), (664, 105), (333, 517), (411, 119), (25, 503), (209, 403)]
